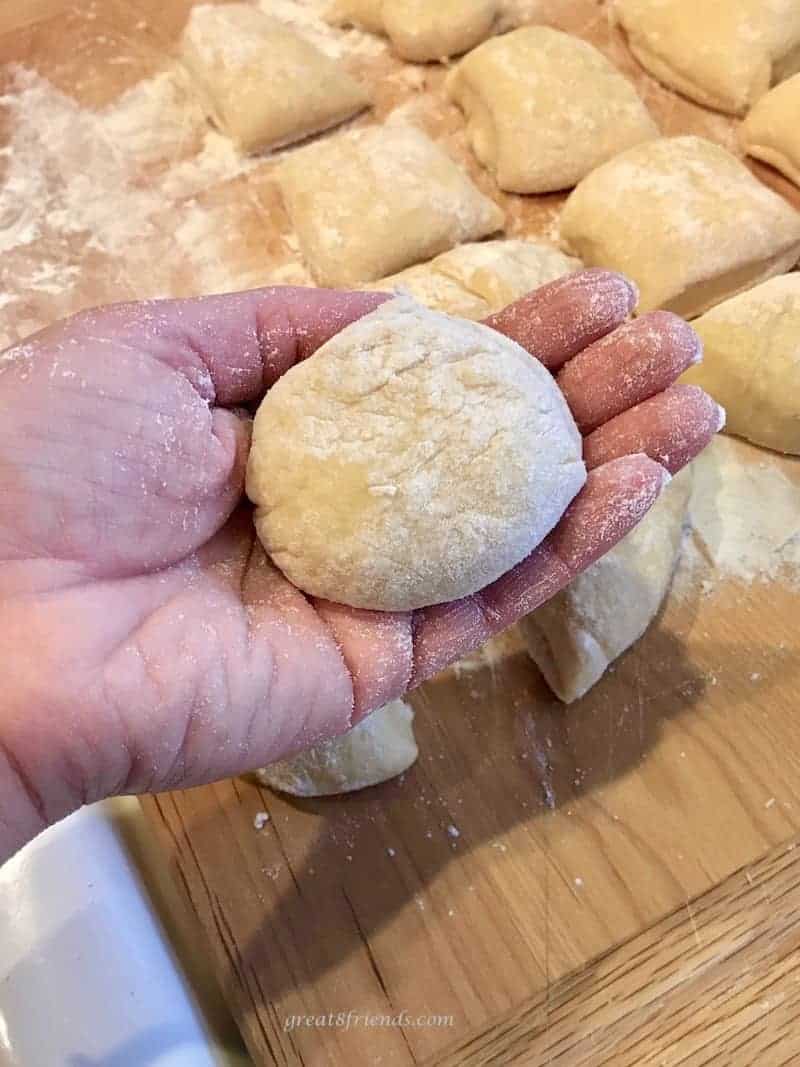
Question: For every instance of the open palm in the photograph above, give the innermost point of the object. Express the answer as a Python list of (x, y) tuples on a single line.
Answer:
[(151, 643)]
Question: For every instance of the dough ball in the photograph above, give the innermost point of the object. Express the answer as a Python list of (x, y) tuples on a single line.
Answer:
[(380, 747), (372, 201), (685, 219), (751, 362), (772, 129), (422, 30), (266, 85), (544, 108), (574, 637), (475, 280), (721, 53), (412, 460)]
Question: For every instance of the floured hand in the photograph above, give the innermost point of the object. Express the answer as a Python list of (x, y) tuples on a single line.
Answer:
[(153, 644)]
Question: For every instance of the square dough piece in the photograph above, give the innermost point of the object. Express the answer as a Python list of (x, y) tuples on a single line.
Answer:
[(373, 201), (423, 30), (544, 108), (772, 129), (475, 280), (577, 634), (721, 53), (751, 363), (683, 218), (266, 85)]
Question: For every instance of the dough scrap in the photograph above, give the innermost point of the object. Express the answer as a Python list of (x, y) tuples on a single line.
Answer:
[(266, 85), (372, 201), (413, 459), (423, 30), (772, 129), (575, 636), (752, 362), (544, 108), (721, 53), (683, 218), (380, 747), (475, 280)]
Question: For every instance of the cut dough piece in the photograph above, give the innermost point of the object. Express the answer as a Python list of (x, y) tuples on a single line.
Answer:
[(544, 108), (378, 748), (373, 201), (366, 14), (772, 129), (683, 218), (721, 53), (575, 636), (752, 362), (475, 280), (413, 459), (266, 85), (435, 289), (423, 30)]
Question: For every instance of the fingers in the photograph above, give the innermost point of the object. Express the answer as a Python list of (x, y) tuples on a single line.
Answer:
[(671, 428), (556, 322), (621, 370), (232, 347), (616, 496), (377, 648)]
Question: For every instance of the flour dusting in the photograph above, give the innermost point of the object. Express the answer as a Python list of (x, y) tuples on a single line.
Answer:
[(104, 205), (745, 515), (310, 18), (73, 171), (87, 190)]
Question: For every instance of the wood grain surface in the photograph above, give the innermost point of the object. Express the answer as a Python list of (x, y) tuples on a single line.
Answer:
[(717, 981), (546, 884), (577, 829)]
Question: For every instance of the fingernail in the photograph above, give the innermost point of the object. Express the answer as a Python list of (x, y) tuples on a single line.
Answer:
[(633, 289), (722, 417), (698, 355)]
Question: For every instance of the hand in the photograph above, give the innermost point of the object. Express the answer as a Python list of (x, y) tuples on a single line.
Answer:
[(149, 642)]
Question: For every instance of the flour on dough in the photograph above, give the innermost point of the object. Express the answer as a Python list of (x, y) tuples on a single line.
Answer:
[(772, 129), (372, 201), (423, 30), (685, 219), (413, 459), (475, 280), (266, 85), (721, 53), (575, 636), (751, 362), (380, 747), (544, 108)]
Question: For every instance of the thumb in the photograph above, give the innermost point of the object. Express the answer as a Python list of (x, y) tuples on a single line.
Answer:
[(232, 346)]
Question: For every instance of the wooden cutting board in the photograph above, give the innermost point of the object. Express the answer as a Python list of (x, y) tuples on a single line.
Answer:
[(609, 883)]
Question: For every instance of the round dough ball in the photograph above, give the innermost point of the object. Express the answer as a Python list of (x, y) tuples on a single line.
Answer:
[(413, 459)]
